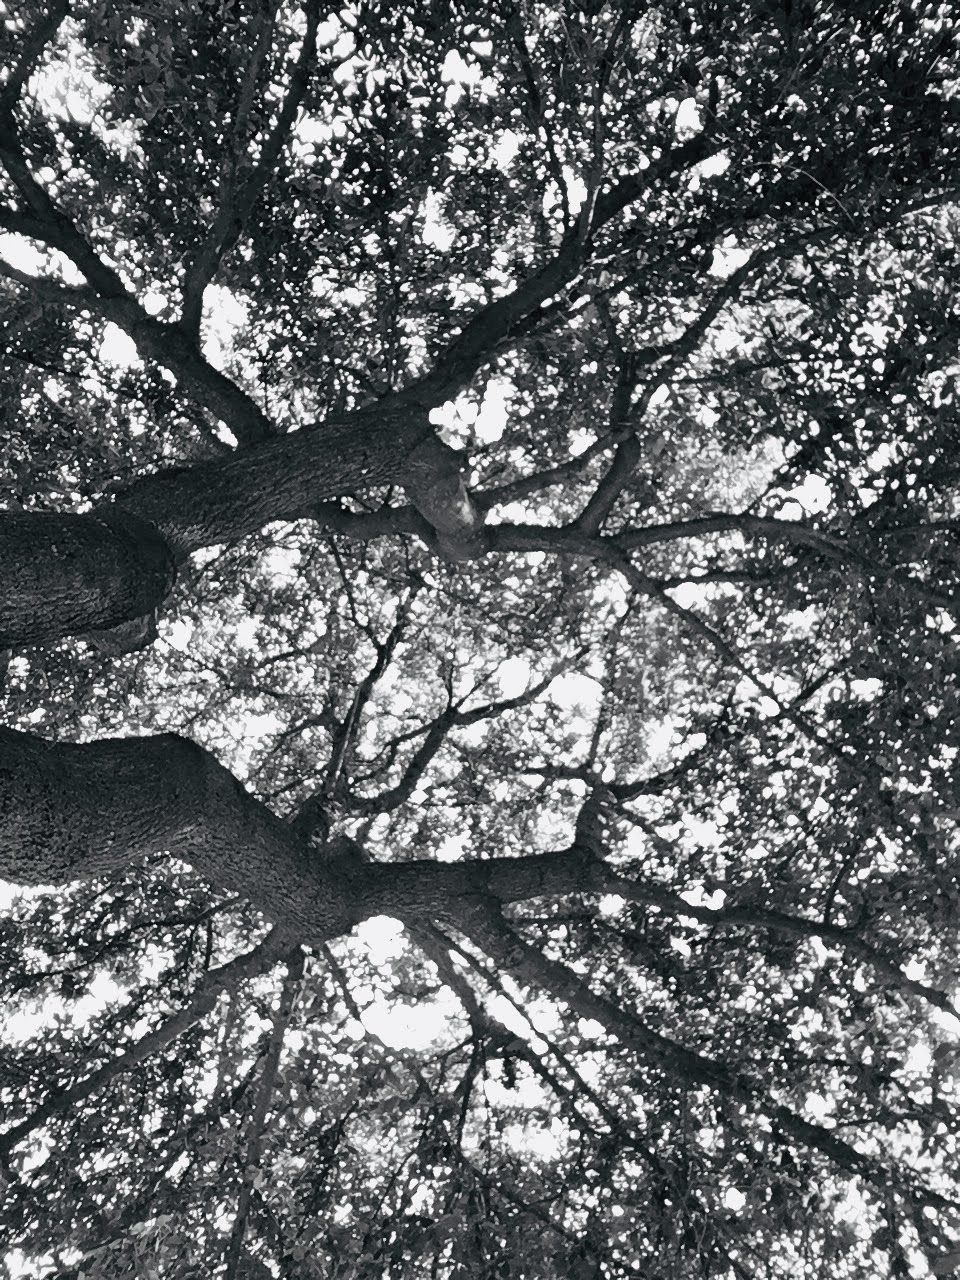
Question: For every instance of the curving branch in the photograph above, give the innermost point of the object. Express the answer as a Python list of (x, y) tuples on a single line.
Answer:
[(825, 544), (772, 920), (30, 54), (452, 717), (484, 925)]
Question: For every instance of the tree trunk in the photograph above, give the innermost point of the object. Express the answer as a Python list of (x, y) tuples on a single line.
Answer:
[(76, 811), (63, 574), (76, 574), (283, 478)]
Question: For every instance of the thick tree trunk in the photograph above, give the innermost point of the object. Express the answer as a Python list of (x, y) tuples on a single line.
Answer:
[(283, 478), (72, 812), (76, 574), (63, 574)]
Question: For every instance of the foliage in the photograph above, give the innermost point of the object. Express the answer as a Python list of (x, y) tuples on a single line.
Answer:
[(711, 637)]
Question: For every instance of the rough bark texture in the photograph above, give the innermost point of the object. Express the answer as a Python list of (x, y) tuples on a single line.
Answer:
[(279, 479), (64, 574), (437, 489), (109, 571), (75, 811)]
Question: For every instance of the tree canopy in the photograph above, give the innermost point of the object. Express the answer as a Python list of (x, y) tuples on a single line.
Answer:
[(479, 592)]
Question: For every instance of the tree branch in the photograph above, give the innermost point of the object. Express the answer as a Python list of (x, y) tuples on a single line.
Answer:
[(482, 922), (109, 297), (628, 454), (32, 50), (214, 983), (255, 1129), (782, 530), (238, 198), (494, 323), (757, 917)]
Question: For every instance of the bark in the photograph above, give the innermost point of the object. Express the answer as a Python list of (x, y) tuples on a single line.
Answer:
[(76, 811), (436, 487), (279, 479), (75, 574), (64, 574)]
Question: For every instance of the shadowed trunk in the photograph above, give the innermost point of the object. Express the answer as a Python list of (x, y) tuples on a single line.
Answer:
[(63, 574), (76, 811), (76, 574), (279, 479)]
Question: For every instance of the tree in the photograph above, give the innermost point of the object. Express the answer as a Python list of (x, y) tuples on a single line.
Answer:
[(481, 680)]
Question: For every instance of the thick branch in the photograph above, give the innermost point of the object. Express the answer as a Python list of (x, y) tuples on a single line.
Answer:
[(70, 574), (284, 478), (74, 558), (70, 811)]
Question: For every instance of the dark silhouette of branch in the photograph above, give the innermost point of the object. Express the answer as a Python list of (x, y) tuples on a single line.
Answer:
[(242, 183), (257, 1121), (483, 923), (108, 296), (30, 54), (201, 1003)]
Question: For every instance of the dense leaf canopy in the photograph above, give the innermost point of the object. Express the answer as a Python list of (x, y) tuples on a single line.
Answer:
[(518, 443)]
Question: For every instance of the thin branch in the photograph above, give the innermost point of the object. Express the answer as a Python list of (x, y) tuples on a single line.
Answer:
[(265, 1088), (515, 490), (485, 926), (49, 288), (238, 198), (535, 112), (494, 323), (756, 917), (666, 1172), (165, 343), (452, 717), (783, 530), (345, 731), (201, 1003)]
